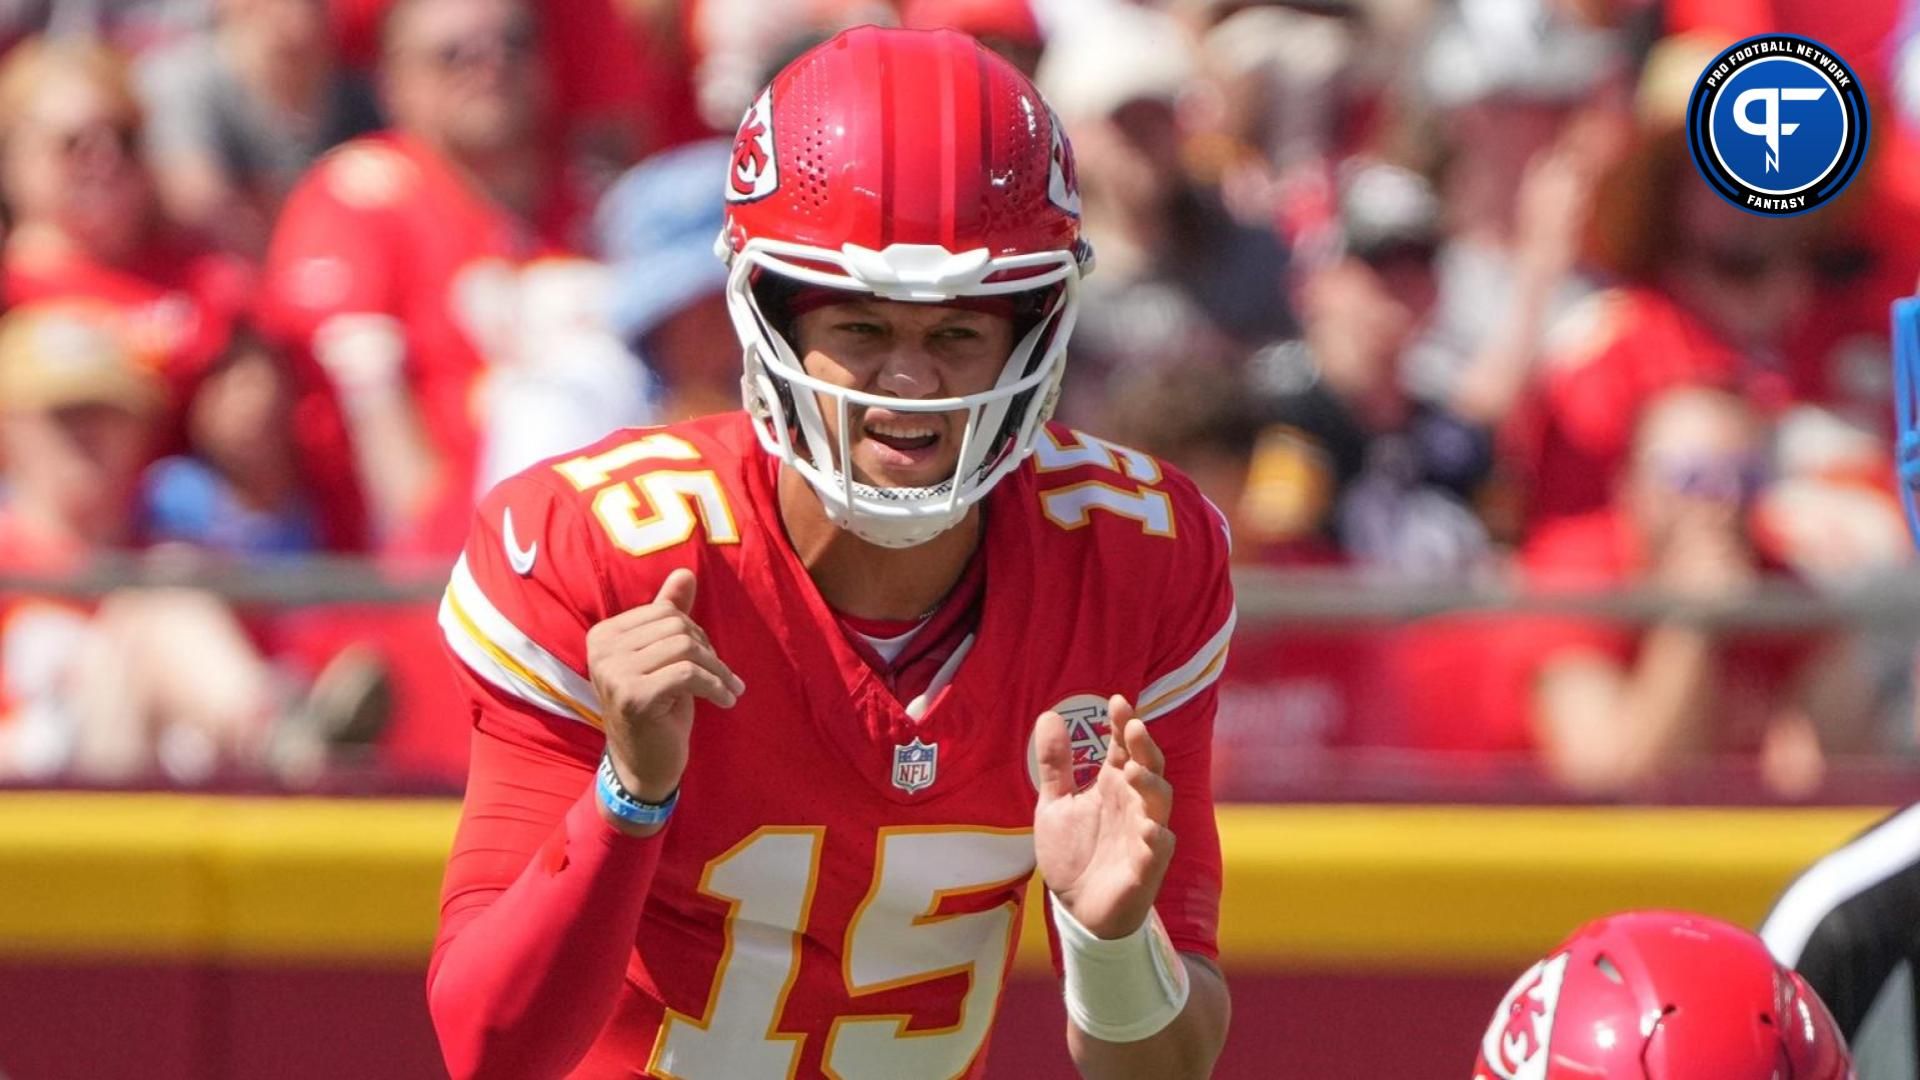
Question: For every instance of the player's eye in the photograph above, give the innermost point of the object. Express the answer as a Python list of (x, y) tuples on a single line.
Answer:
[(860, 329), (957, 333)]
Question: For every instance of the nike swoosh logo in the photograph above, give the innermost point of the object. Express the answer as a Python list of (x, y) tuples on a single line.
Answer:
[(521, 559)]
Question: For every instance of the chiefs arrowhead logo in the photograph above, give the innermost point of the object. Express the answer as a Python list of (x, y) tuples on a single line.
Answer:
[(754, 172), (1521, 1040), (1516, 1042), (1063, 180)]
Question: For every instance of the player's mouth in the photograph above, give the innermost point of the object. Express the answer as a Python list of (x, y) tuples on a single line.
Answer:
[(902, 442)]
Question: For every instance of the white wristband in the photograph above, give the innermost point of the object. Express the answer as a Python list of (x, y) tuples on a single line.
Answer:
[(1123, 989)]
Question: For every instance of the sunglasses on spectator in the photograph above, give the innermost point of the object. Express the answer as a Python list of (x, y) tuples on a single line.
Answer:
[(1734, 478), (512, 44)]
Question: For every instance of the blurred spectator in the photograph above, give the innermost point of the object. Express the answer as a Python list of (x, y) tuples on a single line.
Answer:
[(740, 42), (129, 25), (1609, 707), (1206, 420), (1281, 96), (85, 226), (84, 222), (1008, 27), (1526, 101), (618, 75), (426, 270), (149, 679), (657, 228), (80, 416), (1344, 466), (1288, 693), (1706, 298), (238, 490), (1177, 275), (239, 111), (1404, 504)]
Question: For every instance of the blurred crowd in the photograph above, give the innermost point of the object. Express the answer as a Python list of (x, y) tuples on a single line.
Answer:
[(1421, 290)]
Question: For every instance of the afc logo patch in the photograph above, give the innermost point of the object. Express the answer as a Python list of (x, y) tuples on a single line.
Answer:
[(915, 765), (1088, 730), (754, 172), (1777, 124), (1515, 1046)]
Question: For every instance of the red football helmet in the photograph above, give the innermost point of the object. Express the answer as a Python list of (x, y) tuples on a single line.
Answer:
[(910, 165), (1662, 995)]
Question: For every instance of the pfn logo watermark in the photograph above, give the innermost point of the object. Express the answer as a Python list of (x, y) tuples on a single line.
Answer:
[(1777, 124)]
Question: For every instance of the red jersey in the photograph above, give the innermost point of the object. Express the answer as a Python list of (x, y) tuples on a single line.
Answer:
[(839, 890), (1575, 430), (176, 307), (1755, 673), (384, 227)]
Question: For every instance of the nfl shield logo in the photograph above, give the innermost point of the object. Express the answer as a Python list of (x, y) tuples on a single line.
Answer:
[(914, 764)]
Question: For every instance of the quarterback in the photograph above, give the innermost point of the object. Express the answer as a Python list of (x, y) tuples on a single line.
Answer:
[(777, 712)]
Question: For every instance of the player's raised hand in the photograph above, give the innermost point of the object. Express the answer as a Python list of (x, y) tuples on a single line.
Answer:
[(648, 664), (1103, 851)]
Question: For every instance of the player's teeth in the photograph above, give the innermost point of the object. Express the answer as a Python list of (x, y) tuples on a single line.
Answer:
[(898, 432)]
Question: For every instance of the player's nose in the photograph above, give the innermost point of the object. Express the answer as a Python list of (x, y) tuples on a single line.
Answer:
[(909, 371)]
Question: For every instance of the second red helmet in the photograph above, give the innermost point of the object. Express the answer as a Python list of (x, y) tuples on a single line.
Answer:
[(1661, 995)]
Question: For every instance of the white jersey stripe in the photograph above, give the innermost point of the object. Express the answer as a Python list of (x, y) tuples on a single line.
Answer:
[(499, 652), (1180, 685), (1889, 848)]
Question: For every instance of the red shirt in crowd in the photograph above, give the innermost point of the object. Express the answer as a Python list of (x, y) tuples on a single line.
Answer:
[(178, 308), (1572, 435), (384, 226), (1595, 552), (605, 66)]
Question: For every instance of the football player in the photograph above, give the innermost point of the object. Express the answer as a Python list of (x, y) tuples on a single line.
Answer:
[(1661, 995), (777, 712)]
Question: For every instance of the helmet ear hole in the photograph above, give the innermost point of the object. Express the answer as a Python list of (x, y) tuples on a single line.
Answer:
[(1607, 967)]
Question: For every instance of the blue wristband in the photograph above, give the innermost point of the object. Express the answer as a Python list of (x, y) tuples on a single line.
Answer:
[(616, 800)]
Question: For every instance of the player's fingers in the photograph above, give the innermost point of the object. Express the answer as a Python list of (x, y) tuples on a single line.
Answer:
[(1156, 795), (1160, 845), (688, 677), (1118, 713), (1054, 756), (677, 590), (638, 635), (654, 613), (685, 647), (1142, 748)]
